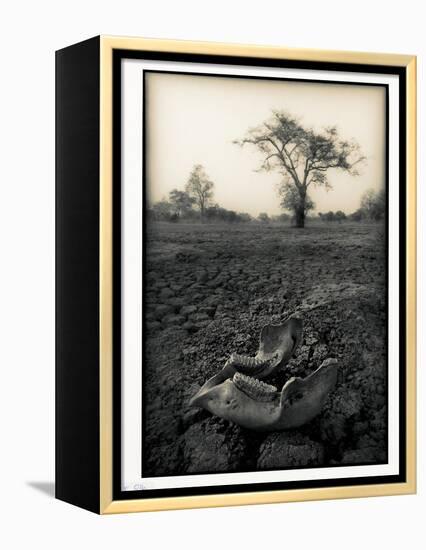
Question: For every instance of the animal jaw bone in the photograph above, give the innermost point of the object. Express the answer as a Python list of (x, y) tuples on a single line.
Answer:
[(252, 366), (277, 343), (257, 390), (257, 406)]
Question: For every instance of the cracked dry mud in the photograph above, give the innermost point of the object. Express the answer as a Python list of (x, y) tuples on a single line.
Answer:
[(211, 288)]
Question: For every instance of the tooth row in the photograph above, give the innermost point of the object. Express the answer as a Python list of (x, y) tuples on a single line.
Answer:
[(256, 389), (249, 364)]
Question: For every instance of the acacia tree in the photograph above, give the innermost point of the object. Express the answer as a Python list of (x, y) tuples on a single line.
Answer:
[(200, 188), (302, 155)]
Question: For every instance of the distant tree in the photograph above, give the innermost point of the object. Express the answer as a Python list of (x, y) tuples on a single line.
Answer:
[(263, 217), (180, 202), (367, 202), (339, 216), (302, 155), (244, 217), (373, 205), (212, 212), (379, 210), (162, 210), (216, 213), (357, 216), (281, 218), (231, 216), (200, 189), (328, 216)]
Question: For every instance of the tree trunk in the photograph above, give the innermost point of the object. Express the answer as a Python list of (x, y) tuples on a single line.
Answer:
[(300, 217)]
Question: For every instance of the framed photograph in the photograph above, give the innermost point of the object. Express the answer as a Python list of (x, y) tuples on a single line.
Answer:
[(235, 274)]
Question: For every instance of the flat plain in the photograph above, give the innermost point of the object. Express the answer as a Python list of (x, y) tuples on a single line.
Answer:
[(209, 289)]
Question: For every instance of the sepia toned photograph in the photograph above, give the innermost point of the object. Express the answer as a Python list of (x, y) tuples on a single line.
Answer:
[(236, 238), (265, 274)]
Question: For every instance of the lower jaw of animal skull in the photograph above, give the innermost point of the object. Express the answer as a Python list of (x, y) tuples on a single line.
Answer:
[(259, 367), (277, 344), (258, 406)]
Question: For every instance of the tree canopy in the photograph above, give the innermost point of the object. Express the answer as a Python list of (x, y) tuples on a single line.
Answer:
[(263, 217), (373, 205), (302, 156), (181, 202), (200, 188)]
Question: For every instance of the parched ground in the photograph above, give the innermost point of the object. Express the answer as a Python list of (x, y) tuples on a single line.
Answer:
[(211, 288)]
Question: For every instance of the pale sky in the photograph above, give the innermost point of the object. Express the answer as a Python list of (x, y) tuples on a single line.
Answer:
[(194, 119)]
